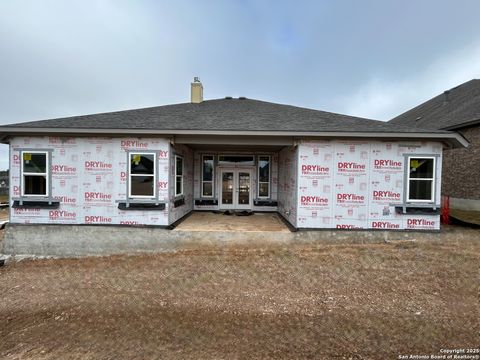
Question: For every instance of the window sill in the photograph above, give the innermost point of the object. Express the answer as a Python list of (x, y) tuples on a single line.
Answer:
[(179, 201), (206, 202), (141, 206), (265, 202), (417, 209), (28, 203)]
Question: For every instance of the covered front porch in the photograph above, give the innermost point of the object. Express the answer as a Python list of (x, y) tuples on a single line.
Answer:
[(238, 174), (230, 221)]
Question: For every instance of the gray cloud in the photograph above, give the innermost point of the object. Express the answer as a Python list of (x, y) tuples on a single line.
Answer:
[(369, 58)]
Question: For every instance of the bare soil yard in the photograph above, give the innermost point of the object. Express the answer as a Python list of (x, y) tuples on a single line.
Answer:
[(4, 214), (303, 302)]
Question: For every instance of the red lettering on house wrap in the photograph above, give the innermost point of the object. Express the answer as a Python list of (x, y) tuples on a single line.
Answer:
[(348, 226), (384, 225), (350, 166), (20, 211), (313, 200), (162, 154), (97, 196), (91, 219), (58, 140), (129, 222), (162, 184), (420, 223), (127, 144), (97, 165), (66, 199), (314, 169), (387, 164), (385, 195), (63, 169), (350, 198), (61, 215)]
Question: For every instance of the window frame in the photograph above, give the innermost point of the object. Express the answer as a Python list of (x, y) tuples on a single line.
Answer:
[(433, 179), (181, 176), (269, 177), (154, 175), (47, 174), (211, 181)]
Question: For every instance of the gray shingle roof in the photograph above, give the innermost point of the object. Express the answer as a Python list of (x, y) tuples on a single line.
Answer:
[(459, 107), (221, 115)]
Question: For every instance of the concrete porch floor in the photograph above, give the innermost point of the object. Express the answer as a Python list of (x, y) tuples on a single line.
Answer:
[(209, 221)]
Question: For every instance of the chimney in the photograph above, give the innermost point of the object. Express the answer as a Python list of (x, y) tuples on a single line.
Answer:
[(446, 97), (196, 91)]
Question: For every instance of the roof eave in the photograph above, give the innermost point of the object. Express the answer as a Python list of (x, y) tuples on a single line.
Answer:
[(455, 140)]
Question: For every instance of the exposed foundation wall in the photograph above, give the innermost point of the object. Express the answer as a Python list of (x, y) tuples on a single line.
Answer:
[(355, 184), (89, 177), (75, 240), (217, 181), (287, 184), (185, 201)]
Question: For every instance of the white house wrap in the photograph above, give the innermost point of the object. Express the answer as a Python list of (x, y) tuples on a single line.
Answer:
[(317, 184), (358, 185)]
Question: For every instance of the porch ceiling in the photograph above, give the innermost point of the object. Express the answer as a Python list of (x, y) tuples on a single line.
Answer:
[(235, 143), (231, 148)]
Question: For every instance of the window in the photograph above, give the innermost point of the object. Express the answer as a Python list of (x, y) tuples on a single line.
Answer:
[(142, 175), (178, 175), (35, 173), (264, 176), (207, 175), (421, 179)]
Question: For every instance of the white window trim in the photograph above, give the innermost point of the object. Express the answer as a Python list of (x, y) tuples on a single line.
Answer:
[(213, 177), (154, 175), (269, 177), (432, 179), (176, 175), (46, 174)]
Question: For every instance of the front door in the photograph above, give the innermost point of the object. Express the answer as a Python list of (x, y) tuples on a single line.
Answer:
[(236, 189)]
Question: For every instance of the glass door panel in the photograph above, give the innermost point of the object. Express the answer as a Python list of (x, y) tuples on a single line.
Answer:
[(227, 188), (243, 188)]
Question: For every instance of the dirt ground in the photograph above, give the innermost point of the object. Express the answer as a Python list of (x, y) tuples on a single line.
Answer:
[(4, 214), (375, 301)]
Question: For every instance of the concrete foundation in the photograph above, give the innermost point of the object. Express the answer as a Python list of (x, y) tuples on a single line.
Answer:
[(465, 204), (86, 240)]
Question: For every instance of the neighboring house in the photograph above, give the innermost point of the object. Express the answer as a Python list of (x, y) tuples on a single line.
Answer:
[(4, 183), (155, 165), (457, 109)]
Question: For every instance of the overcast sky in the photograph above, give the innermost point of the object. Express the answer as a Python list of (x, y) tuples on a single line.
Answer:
[(374, 59)]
